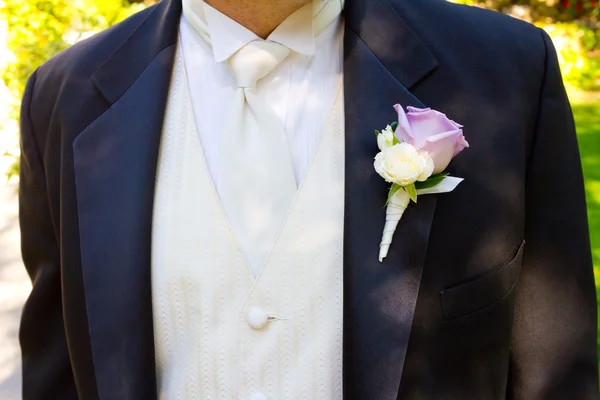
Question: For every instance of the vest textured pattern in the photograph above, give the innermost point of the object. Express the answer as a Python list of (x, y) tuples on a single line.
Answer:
[(220, 333)]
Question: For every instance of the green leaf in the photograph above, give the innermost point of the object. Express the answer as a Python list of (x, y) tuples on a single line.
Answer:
[(396, 141), (394, 126), (395, 187), (377, 133), (432, 181), (412, 192)]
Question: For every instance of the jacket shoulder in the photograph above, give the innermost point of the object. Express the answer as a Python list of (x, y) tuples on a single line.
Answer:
[(478, 31), (487, 43), (471, 18), (81, 60), (60, 97)]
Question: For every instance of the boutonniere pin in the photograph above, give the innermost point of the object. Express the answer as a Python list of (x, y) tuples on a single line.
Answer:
[(415, 151)]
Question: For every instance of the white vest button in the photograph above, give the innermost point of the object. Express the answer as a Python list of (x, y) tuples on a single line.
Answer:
[(258, 396), (257, 319)]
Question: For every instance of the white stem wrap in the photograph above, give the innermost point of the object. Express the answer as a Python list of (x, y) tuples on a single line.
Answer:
[(395, 208)]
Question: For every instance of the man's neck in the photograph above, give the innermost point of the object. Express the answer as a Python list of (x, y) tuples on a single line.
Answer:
[(260, 16)]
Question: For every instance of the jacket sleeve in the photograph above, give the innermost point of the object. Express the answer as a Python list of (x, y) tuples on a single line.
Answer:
[(47, 372), (553, 354)]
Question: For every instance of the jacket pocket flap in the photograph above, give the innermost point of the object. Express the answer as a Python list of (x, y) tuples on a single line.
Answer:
[(481, 292)]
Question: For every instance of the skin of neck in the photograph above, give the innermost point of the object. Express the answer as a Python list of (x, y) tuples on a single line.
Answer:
[(260, 16)]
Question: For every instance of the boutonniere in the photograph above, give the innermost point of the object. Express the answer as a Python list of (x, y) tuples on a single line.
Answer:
[(415, 151)]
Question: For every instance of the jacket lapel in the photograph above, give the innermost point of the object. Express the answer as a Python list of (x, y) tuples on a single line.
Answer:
[(115, 165), (382, 60)]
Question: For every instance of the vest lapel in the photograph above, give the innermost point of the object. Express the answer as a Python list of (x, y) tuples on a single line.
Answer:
[(115, 165), (382, 60)]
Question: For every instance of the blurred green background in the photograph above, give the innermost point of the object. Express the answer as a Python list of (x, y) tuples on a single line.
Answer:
[(32, 31)]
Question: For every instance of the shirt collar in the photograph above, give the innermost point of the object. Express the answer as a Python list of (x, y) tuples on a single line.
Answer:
[(296, 31), (228, 36)]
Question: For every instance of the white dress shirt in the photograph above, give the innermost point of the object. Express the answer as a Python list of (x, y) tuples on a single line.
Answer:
[(300, 90)]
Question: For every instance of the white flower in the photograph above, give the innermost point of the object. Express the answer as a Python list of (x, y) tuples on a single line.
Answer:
[(385, 139), (403, 164)]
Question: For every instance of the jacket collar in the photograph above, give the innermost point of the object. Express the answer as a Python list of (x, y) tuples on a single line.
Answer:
[(157, 32), (379, 24)]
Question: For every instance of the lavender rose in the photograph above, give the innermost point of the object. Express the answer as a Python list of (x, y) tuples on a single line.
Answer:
[(431, 131)]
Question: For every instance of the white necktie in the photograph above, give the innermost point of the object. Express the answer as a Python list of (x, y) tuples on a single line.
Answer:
[(256, 177), (256, 181)]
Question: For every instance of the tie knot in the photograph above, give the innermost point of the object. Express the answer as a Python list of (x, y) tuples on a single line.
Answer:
[(256, 60)]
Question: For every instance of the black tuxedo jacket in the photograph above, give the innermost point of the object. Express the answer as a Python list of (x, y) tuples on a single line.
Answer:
[(487, 292)]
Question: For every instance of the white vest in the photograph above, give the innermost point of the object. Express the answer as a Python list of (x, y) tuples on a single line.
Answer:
[(213, 339)]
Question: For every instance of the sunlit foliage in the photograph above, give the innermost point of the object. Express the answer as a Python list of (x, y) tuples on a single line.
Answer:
[(38, 29)]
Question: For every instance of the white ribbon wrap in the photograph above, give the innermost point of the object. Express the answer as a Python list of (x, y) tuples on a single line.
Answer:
[(398, 204)]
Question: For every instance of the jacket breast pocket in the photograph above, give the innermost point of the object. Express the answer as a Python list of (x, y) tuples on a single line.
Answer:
[(482, 292)]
